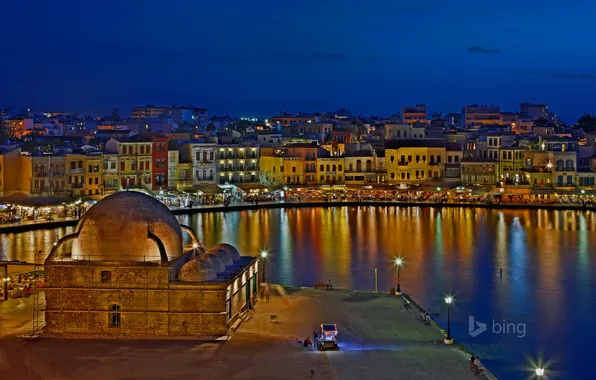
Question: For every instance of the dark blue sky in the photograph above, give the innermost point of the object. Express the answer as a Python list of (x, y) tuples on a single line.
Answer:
[(262, 56)]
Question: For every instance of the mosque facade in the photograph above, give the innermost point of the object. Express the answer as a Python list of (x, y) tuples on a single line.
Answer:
[(126, 271)]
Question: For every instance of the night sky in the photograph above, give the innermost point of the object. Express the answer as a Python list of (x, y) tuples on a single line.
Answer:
[(256, 58)]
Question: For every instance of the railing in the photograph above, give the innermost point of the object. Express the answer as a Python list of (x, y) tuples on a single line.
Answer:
[(77, 171)]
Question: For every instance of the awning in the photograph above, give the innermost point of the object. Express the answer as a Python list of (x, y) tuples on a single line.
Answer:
[(567, 192), (24, 199), (209, 188), (545, 190), (252, 187)]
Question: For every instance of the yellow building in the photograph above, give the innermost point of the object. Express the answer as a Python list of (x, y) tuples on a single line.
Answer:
[(511, 161), (415, 161), (330, 170), (84, 174), (15, 171), (278, 171)]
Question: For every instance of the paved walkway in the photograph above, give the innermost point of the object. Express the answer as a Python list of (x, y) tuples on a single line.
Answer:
[(378, 340)]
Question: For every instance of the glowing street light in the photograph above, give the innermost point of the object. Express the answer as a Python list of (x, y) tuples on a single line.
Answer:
[(264, 255), (539, 372), (195, 245), (398, 262), (448, 301)]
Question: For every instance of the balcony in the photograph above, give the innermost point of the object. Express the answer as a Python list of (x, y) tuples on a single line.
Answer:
[(402, 163), (76, 171)]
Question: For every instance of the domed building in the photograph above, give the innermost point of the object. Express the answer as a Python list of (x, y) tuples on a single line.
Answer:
[(130, 269)]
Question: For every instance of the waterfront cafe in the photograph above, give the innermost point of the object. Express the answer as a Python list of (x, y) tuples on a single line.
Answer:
[(23, 206)]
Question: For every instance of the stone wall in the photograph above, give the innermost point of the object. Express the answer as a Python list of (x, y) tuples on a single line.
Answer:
[(78, 302)]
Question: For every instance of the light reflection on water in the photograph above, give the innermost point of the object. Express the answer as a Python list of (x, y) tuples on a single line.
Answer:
[(546, 258)]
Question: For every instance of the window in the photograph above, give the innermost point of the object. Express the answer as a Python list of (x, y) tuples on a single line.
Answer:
[(340, 168), (449, 159), (114, 316), (281, 169), (293, 169), (106, 276), (122, 166), (322, 168), (90, 168), (392, 158), (96, 180), (417, 159), (90, 181), (456, 158)]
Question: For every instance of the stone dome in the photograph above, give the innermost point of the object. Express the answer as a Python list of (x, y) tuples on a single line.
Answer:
[(220, 256), (128, 226), (197, 270), (216, 263), (230, 250)]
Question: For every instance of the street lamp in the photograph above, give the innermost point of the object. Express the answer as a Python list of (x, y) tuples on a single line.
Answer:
[(539, 372), (5, 280), (264, 256), (448, 301), (398, 262)]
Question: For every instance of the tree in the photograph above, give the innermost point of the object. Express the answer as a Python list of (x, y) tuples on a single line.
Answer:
[(587, 122), (211, 127), (5, 132)]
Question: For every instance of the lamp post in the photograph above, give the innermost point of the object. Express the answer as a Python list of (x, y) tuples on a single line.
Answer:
[(539, 372), (448, 301), (398, 262), (5, 280), (264, 257)]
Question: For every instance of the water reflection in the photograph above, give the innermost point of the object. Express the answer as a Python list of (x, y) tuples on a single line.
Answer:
[(545, 255)]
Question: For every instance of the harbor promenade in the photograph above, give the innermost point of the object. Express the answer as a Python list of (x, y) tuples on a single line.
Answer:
[(379, 339), (30, 225)]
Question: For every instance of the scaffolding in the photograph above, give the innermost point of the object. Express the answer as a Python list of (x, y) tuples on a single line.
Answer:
[(39, 301)]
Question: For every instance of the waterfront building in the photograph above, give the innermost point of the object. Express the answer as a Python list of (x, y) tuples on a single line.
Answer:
[(159, 159), (511, 161), (330, 170), (360, 167), (478, 171), (111, 175), (84, 174), (414, 114), (278, 170), (15, 171), (414, 161), (135, 160), (237, 163), (202, 155), (477, 115), (454, 155), (48, 174), (130, 274)]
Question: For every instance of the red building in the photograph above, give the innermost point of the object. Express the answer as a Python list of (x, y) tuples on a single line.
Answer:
[(159, 160)]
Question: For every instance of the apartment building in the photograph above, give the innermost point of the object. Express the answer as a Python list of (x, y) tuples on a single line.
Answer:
[(414, 161), (237, 163), (135, 160), (404, 131), (477, 115), (414, 114), (203, 156)]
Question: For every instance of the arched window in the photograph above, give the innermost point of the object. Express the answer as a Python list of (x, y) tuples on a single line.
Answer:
[(368, 165), (340, 168), (358, 166)]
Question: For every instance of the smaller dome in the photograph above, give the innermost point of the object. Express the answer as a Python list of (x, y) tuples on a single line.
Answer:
[(230, 249), (222, 255), (197, 270), (216, 262)]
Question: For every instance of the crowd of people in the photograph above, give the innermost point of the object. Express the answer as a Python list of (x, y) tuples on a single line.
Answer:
[(21, 285)]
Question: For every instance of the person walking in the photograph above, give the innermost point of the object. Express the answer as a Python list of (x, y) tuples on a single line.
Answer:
[(312, 373)]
